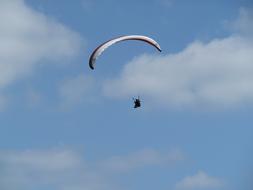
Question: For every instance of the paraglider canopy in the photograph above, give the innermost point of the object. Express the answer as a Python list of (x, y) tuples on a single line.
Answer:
[(97, 52)]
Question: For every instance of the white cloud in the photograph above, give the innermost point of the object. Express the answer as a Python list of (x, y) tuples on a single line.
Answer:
[(214, 74), (60, 169), (76, 90), (29, 38), (199, 181), (142, 158), (48, 160)]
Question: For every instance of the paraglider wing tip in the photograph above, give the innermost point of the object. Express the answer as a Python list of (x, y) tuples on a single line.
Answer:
[(91, 65)]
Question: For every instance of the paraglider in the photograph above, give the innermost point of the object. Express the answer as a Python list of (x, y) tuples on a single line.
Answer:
[(137, 102), (98, 51)]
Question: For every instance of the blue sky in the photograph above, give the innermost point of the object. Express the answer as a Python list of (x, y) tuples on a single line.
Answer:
[(66, 127)]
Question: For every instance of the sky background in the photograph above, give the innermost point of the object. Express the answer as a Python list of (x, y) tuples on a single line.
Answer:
[(66, 127)]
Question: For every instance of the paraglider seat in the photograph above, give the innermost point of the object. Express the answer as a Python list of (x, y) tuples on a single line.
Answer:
[(137, 103)]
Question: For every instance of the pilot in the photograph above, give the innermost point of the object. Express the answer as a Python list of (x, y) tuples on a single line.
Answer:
[(137, 102)]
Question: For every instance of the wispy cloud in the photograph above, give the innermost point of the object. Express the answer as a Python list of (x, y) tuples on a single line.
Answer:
[(142, 158), (199, 181), (244, 23), (55, 168), (214, 74)]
